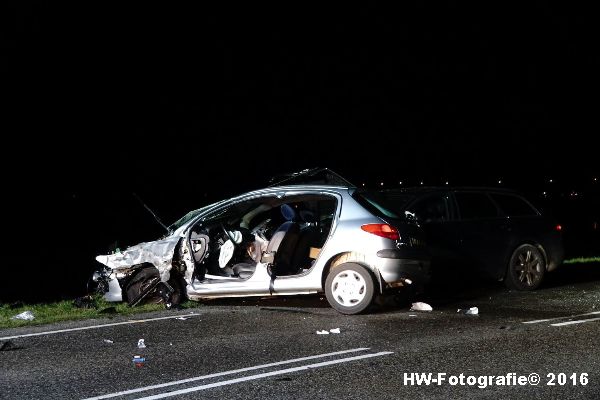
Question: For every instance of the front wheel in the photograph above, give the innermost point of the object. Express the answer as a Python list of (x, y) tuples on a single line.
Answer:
[(349, 288), (526, 268)]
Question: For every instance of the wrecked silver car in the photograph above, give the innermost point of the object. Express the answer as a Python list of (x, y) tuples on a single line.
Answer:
[(283, 240)]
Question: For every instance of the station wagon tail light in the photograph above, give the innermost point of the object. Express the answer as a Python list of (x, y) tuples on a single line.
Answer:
[(383, 230)]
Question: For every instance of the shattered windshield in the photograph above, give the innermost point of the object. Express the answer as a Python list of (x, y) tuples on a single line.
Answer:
[(186, 218)]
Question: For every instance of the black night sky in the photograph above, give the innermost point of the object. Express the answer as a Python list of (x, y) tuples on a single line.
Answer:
[(188, 105)]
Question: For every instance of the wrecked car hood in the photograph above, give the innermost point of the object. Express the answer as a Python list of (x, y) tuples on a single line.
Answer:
[(159, 253)]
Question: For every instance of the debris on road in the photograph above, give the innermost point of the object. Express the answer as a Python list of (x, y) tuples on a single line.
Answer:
[(419, 306), (141, 344), (108, 341), (469, 311), (183, 318), (25, 316), (138, 361), (326, 332), (412, 315)]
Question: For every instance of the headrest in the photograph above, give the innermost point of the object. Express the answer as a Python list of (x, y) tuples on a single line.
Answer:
[(288, 212)]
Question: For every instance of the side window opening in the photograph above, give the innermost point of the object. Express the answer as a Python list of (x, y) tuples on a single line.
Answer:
[(475, 205), (432, 208), (231, 243), (514, 206)]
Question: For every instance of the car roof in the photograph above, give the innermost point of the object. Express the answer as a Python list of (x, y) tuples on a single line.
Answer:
[(318, 176), (307, 187)]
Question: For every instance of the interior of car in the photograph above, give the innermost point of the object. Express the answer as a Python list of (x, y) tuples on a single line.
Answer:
[(286, 233)]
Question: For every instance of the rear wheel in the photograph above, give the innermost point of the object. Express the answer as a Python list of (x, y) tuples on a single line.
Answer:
[(349, 288), (526, 268)]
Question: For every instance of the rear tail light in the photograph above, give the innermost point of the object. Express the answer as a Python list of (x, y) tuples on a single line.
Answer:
[(558, 227), (383, 230)]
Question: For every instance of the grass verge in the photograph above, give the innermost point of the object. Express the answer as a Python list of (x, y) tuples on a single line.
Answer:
[(582, 260), (66, 311)]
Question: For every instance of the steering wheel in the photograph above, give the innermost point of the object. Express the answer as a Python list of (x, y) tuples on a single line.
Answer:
[(228, 234)]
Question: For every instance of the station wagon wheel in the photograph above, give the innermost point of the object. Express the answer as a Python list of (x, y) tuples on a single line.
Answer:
[(349, 288), (526, 268)]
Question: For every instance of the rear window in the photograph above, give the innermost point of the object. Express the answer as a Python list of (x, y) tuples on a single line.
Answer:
[(474, 205), (396, 200), (375, 203), (513, 206)]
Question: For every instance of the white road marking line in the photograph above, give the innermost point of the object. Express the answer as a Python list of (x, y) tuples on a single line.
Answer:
[(131, 321), (235, 371), (537, 321), (264, 375), (581, 321)]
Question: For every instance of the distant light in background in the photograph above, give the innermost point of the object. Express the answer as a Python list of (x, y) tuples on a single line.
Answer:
[(381, 183), (499, 181), (446, 182), (550, 180), (363, 184), (421, 182), (400, 183)]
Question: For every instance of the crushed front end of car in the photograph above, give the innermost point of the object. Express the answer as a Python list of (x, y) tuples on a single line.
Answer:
[(139, 273)]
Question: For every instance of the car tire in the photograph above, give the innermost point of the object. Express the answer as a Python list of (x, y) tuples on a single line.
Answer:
[(141, 282), (526, 268), (349, 288)]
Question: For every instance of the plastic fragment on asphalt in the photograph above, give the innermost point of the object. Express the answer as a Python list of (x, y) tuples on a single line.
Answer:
[(419, 306), (25, 316), (108, 341), (335, 330), (469, 311), (323, 332), (138, 361), (141, 344)]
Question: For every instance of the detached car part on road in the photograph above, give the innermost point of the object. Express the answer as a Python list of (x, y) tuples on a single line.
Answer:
[(283, 240)]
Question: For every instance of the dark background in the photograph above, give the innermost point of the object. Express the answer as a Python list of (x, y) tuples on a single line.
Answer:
[(184, 106)]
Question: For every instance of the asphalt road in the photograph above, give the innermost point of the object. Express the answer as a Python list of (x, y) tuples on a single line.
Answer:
[(251, 349)]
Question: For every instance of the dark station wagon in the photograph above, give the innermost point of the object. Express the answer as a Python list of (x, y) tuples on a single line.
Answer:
[(490, 230)]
